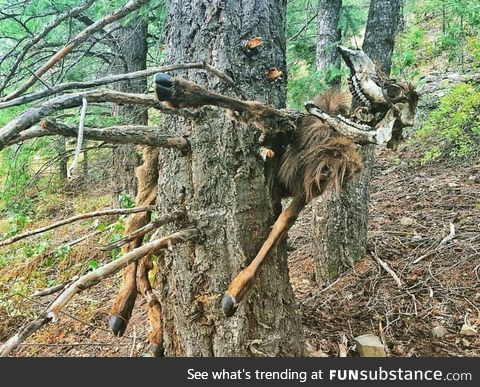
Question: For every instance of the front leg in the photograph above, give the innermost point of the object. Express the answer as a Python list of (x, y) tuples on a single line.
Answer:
[(245, 279), (178, 93)]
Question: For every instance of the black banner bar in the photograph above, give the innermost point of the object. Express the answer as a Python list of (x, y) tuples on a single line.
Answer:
[(240, 371)]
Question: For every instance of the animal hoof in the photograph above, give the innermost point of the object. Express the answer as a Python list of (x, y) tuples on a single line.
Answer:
[(163, 84), (229, 305), (117, 325), (156, 350)]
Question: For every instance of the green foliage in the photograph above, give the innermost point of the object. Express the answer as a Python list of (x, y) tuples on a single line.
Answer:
[(448, 29), (454, 126), (126, 200)]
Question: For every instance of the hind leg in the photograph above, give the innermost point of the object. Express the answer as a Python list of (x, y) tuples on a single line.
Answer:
[(155, 338), (122, 307), (246, 278)]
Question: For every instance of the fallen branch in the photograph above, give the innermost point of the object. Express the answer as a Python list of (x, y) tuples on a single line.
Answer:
[(444, 241), (128, 134), (114, 211), (112, 79), (34, 114), (131, 6), (389, 271), (91, 279), (143, 230)]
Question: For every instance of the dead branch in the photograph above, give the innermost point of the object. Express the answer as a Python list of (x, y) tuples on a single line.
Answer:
[(53, 289), (128, 134), (144, 230), (91, 279), (131, 6), (33, 115), (39, 36), (444, 241), (114, 211), (112, 79), (389, 271), (78, 148)]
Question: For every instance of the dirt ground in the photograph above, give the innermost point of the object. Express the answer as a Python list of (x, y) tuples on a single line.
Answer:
[(412, 207)]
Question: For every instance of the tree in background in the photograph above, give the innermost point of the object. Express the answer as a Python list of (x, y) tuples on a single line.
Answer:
[(341, 223), (131, 55), (328, 36)]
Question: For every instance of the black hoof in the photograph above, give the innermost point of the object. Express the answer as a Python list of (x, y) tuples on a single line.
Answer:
[(163, 84), (229, 305), (117, 325), (156, 350)]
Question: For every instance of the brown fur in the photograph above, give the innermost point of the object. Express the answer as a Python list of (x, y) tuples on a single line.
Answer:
[(136, 274), (318, 158)]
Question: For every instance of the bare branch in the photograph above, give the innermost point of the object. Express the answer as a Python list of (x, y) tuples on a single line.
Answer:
[(114, 211), (128, 134), (92, 278), (33, 115), (144, 230), (34, 40), (78, 148), (111, 79), (131, 6)]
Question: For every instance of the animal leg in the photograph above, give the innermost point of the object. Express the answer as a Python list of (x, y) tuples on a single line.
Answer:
[(147, 175), (155, 338), (122, 307), (245, 279)]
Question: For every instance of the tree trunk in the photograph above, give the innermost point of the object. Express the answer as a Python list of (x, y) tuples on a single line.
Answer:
[(328, 35), (61, 150), (341, 223), (226, 189), (132, 43)]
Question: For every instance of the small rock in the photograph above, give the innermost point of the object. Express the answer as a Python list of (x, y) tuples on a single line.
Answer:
[(369, 346), (452, 185), (439, 332), (466, 343), (467, 330), (406, 221)]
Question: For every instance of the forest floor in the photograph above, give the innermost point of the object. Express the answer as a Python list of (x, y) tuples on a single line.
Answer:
[(412, 206)]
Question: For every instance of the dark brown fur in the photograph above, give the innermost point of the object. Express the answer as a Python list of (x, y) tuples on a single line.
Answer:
[(318, 158)]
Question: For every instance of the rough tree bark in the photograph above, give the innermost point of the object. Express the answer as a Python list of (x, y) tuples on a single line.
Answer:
[(132, 56), (340, 223), (225, 187), (328, 34)]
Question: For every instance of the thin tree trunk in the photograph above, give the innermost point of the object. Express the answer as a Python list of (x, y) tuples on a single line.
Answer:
[(328, 35), (226, 188), (132, 43), (341, 222), (62, 162)]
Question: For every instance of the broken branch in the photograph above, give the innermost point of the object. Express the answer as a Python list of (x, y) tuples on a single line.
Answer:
[(115, 211), (144, 230), (389, 271), (78, 148), (33, 115), (128, 134), (112, 79)]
